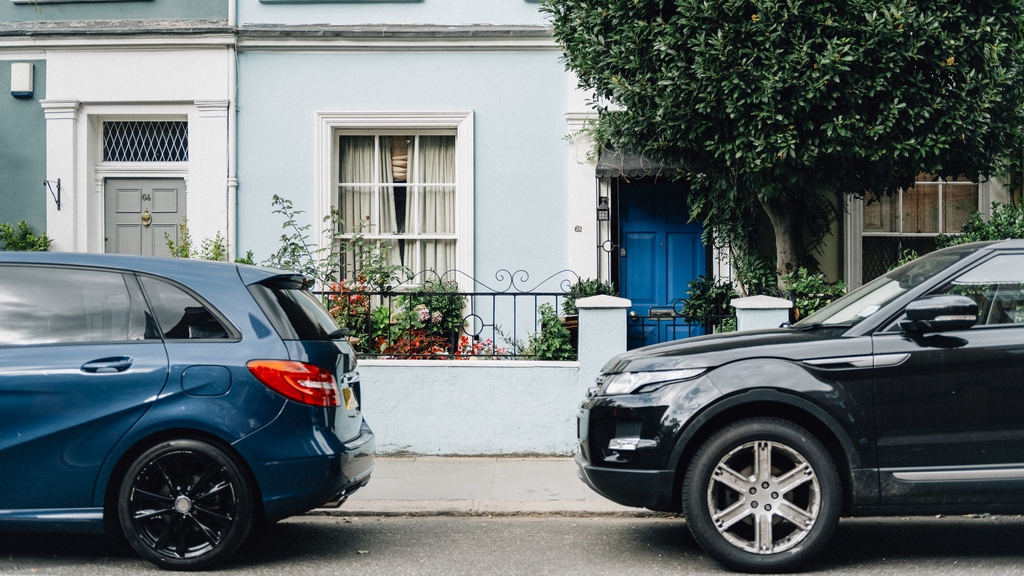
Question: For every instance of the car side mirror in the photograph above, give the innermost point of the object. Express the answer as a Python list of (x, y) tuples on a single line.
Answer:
[(940, 314)]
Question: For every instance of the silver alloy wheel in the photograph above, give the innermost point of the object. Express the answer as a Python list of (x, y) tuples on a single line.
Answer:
[(764, 497)]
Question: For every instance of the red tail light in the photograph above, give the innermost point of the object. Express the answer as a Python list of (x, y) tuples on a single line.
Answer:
[(297, 381)]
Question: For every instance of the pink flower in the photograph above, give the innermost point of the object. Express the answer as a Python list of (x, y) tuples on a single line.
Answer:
[(423, 313), (436, 318)]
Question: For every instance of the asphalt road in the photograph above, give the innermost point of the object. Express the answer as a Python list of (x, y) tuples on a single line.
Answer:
[(543, 545)]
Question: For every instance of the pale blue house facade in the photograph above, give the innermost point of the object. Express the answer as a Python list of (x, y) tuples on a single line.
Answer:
[(481, 78)]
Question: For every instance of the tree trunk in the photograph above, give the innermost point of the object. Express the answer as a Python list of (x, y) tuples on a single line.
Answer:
[(786, 222)]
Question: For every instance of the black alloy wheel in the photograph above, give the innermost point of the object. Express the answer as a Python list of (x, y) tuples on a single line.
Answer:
[(762, 495), (185, 505)]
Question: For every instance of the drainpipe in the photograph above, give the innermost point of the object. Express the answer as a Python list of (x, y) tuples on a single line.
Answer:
[(232, 233)]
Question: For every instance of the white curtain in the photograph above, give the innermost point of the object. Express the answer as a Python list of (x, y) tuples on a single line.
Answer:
[(356, 155), (434, 209)]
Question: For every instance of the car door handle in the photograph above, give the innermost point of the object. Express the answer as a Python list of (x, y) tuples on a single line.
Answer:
[(108, 365)]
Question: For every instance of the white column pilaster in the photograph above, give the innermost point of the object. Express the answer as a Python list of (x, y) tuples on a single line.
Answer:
[(208, 205), (66, 226)]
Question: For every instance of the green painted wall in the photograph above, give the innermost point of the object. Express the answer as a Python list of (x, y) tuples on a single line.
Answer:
[(23, 150), (132, 10)]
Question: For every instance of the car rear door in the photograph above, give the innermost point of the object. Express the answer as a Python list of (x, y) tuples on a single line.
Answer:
[(80, 362)]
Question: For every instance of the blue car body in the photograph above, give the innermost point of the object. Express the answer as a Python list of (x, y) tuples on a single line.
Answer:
[(74, 415)]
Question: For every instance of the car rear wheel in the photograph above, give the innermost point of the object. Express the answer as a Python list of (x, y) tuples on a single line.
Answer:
[(762, 495), (185, 505)]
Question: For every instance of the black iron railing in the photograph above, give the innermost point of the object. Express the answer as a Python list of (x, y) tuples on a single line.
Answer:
[(428, 317), (666, 324)]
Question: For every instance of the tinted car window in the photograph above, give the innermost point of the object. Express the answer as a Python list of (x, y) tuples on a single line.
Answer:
[(181, 316), (871, 297), (997, 285), (52, 305), (295, 312)]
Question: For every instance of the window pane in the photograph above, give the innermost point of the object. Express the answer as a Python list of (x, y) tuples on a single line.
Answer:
[(921, 209), (881, 214), (181, 316), (436, 162), (434, 211), (959, 201), (42, 305), (436, 255), (996, 285), (356, 156)]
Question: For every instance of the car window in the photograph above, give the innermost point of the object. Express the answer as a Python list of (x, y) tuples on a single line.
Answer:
[(180, 315), (294, 311), (871, 297), (56, 305), (997, 285)]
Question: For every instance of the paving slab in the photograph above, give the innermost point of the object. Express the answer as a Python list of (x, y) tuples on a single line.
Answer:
[(478, 486)]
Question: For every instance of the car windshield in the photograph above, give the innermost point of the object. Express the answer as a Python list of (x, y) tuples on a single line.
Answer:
[(871, 297)]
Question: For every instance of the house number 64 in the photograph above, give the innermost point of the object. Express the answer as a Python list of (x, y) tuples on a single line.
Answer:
[(147, 197)]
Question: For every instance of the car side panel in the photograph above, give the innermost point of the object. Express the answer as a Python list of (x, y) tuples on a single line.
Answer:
[(843, 393), (59, 422)]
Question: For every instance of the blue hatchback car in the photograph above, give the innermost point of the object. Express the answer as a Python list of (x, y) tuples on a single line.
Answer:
[(179, 402)]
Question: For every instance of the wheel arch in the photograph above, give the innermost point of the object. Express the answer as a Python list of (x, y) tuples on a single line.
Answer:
[(110, 520), (766, 402)]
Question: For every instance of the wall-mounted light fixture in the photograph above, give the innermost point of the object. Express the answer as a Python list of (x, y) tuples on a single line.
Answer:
[(21, 79), (603, 211), (56, 197)]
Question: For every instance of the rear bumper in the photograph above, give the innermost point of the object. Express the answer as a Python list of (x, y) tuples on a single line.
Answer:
[(642, 488), (356, 465), (299, 467)]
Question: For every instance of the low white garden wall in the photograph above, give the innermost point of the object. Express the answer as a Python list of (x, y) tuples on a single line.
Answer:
[(471, 407), (478, 407)]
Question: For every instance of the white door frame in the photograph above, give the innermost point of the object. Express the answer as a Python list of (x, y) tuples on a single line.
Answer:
[(74, 154)]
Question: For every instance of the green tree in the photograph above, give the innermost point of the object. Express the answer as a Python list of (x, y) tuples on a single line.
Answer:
[(780, 105)]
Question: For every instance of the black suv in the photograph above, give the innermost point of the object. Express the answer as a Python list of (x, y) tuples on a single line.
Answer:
[(904, 397)]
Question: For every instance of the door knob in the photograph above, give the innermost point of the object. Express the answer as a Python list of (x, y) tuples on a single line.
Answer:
[(146, 218)]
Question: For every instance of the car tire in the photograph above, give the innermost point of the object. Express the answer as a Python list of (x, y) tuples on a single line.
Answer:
[(186, 505), (762, 495)]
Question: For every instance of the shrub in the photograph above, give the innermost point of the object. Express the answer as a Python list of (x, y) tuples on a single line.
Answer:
[(708, 301), (552, 342), (1007, 222), (22, 239), (585, 289), (812, 292)]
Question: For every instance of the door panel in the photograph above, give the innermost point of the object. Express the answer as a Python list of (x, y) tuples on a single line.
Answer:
[(141, 214), (77, 368), (661, 254), (641, 247), (949, 417)]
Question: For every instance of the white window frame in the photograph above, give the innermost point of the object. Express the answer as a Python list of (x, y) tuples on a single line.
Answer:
[(853, 222), (329, 125)]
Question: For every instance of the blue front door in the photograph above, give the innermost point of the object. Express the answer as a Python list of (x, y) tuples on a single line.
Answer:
[(661, 252)]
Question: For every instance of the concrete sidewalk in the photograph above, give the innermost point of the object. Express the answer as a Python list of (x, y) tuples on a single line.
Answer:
[(487, 486)]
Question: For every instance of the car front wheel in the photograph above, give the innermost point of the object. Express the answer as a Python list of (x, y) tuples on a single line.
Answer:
[(185, 505), (762, 495)]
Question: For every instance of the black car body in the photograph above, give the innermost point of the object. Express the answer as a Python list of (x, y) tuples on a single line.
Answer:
[(904, 397)]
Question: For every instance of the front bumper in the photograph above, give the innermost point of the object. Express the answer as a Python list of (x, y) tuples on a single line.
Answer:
[(641, 488)]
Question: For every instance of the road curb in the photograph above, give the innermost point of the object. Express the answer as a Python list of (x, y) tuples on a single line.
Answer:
[(485, 508)]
